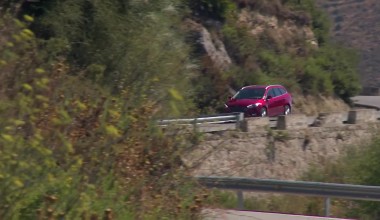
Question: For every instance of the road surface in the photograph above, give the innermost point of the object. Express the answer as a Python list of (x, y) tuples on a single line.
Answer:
[(218, 214), (367, 101)]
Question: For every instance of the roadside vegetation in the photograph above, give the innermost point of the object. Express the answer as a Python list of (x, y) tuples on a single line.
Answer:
[(82, 82), (77, 137), (360, 165)]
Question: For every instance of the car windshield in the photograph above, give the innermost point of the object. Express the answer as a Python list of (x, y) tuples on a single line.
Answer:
[(250, 93)]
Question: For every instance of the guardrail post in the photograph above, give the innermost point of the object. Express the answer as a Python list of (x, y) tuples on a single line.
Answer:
[(240, 200), (239, 120), (327, 206), (195, 125)]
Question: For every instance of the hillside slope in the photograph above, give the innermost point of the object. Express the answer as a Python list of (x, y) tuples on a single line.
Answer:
[(240, 43), (357, 24)]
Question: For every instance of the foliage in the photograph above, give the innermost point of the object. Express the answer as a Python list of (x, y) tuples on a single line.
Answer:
[(82, 82), (106, 41), (217, 9), (268, 203), (71, 148), (327, 70), (320, 21), (358, 166)]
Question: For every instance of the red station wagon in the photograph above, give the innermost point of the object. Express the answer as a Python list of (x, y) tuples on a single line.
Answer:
[(261, 101)]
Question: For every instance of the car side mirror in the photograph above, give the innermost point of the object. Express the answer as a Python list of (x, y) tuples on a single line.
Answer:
[(269, 97)]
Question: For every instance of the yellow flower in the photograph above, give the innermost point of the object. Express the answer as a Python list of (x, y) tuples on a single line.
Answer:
[(40, 70), (19, 23), (42, 98), (7, 137), (25, 36), (28, 18), (175, 94), (112, 131), (28, 32), (9, 44), (27, 87), (19, 122), (81, 106), (16, 37), (18, 183)]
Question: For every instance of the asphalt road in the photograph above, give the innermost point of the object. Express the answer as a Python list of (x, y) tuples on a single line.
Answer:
[(367, 101), (248, 215)]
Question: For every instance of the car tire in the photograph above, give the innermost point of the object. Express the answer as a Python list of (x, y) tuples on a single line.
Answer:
[(263, 112), (287, 110)]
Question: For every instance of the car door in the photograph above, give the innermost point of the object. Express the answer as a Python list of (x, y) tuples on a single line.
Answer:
[(280, 101), (271, 103)]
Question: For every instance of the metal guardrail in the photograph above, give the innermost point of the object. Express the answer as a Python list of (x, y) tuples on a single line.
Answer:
[(230, 117), (327, 190), (204, 123), (225, 121)]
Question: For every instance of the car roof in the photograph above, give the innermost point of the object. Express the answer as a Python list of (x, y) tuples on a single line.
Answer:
[(261, 86)]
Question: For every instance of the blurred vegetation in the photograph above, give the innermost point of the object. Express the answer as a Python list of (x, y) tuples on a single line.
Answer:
[(216, 9), (82, 82), (359, 165), (72, 147), (269, 202)]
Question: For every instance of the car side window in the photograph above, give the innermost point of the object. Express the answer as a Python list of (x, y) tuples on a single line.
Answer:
[(283, 91), (277, 91), (271, 93)]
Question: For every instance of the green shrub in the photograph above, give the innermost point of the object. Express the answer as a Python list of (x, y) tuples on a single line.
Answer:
[(320, 22), (71, 148), (217, 9), (327, 70), (358, 166)]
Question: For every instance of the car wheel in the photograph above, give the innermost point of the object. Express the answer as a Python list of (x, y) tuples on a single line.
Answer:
[(263, 112), (287, 110)]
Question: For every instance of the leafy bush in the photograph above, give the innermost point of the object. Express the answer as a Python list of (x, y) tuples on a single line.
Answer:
[(284, 204), (327, 70), (217, 9), (106, 42), (320, 21), (71, 148), (358, 166)]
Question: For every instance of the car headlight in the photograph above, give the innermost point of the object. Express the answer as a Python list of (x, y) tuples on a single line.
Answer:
[(254, 105)]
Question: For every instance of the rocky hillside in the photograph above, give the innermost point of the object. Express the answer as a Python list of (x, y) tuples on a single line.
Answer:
[(357, 23), (82, 84), (270, 42)]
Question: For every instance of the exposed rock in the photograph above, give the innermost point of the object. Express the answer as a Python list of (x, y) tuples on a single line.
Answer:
[(212, 45), (285, 32)]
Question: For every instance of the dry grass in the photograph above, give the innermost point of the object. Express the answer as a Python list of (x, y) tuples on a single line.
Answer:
[(311, 105)]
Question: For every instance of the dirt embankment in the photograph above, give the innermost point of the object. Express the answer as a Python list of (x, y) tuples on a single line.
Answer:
[(312, 105)]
